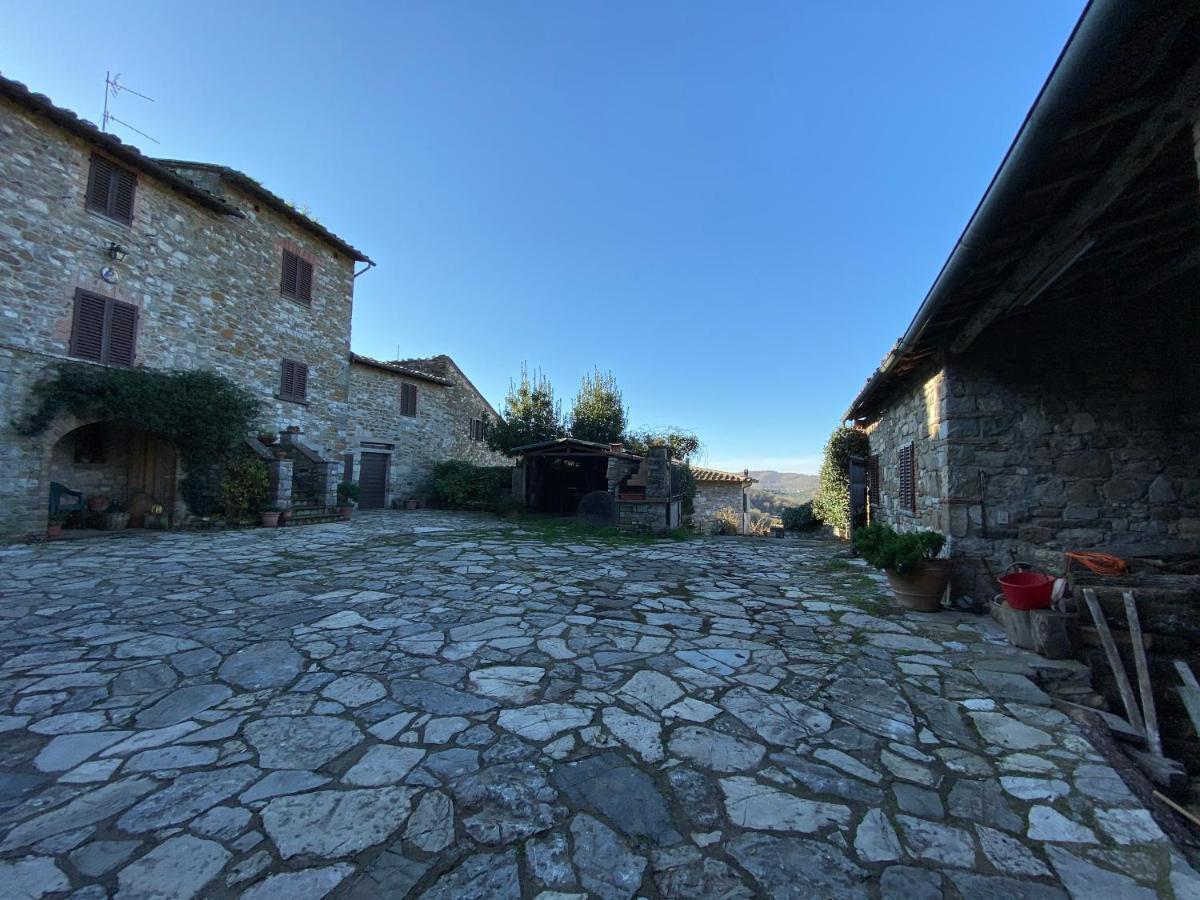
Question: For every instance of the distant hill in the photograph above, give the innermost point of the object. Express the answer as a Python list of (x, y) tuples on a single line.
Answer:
[(786, 483)]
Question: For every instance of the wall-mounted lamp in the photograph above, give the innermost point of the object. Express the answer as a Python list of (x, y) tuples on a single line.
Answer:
[(116, 252)]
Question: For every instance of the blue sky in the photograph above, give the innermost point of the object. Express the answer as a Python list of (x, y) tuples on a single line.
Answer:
[(734, 207)]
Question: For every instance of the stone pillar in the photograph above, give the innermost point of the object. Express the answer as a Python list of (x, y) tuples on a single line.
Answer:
[(333, 475), (658, 475), (279, 488)]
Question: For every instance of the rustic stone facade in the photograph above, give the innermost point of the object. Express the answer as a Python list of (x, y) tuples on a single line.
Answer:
[(441, 430), (1032, 444), (206, 284), (714, 496)]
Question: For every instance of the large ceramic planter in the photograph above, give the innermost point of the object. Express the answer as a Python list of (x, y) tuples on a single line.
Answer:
[(270, 520), (345, 512), (53, 530), (921, 591)]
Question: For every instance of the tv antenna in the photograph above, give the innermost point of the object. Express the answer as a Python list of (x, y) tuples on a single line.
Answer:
[(112, 88)]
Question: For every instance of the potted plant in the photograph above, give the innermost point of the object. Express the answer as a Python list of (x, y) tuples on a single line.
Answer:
[(54, 525), (411, 504), (117, 518), (909, 559), (270, 515), (347, 498), (155, 517)]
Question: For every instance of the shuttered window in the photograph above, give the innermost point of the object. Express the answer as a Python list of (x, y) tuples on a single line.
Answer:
[(103, 330), (110, 190), (296, 281), (908, 478), (408, 399), (477, 429), (293, 384)]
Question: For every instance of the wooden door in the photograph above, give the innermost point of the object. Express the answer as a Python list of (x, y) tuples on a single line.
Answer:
[(858, 492), (152, 470), (372, 480)]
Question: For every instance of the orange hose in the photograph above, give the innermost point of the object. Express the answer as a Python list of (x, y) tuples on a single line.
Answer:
[(1100, 563)]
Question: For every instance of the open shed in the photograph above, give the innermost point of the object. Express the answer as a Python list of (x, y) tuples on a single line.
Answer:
[(558, 473)]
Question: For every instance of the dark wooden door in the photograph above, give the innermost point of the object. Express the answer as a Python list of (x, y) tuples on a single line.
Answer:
[(372, 480), (152, 471), (858, 492)]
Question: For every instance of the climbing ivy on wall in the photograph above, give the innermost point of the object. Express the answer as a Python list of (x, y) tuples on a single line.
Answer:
[(203, 414), (832, 503)]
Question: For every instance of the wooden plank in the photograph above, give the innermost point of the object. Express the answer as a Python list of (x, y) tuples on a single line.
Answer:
[(1149, 712), (1114, 661), (1189, 693), (1161, 770)]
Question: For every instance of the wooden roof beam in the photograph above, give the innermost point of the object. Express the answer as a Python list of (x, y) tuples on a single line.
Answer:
[(1149, 140)]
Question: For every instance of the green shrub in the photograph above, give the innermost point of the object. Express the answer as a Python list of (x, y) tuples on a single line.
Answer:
[(462, 485), (832, 503), (244, 487), (799, 518), (903, 552), (347, 493)]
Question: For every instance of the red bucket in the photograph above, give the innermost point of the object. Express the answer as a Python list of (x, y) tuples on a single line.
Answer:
[(1027, 590)]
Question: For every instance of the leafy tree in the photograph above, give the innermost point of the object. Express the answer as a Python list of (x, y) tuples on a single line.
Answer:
[(598, 413), (832, 503), (530, 414), (680, 443)]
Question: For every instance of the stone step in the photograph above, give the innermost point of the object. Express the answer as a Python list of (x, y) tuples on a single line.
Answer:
[(312, 515)]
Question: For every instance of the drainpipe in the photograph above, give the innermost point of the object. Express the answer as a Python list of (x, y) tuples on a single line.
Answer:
[(370, 265), (1079, 65)]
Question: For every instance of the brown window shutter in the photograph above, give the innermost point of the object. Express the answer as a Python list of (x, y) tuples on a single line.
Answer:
[(122, 334), (304, 273), (122, 201), (287, 378), (87, 331), (290, 279), (301, 386), (408, 399), (908, 478), (99, 189)]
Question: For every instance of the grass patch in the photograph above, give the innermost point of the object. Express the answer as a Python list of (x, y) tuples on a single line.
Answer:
[(555, 529)]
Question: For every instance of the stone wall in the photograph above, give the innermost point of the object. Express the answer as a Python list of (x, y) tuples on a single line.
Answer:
[(1085, 436), (440, 431), (206, 286), (712, 496)]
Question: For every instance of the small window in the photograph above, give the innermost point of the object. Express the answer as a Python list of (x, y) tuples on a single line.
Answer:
[(408, 399), (477, 429), (296, 281), (103, 330), (110, 190), (294, 383), (908, 478), (91, 444)]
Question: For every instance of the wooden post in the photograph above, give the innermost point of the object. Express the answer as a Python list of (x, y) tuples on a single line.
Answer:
[(1114, 661), (1153, 738), (1189, 693)]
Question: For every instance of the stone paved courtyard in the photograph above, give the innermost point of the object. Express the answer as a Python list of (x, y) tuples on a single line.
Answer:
[(445, 706)]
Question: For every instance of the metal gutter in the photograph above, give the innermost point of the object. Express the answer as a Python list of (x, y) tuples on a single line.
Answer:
[(1100, 26)]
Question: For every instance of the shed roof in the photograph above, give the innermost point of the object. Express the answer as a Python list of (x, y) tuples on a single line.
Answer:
[(716, 475), (1096, 194), (569, 446)]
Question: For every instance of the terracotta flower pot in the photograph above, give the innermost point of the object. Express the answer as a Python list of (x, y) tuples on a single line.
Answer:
[(345, 512), (921, 591), (270, 520), (53, 530)]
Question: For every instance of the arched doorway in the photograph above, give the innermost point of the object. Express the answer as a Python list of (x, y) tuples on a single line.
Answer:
[(137, 471)]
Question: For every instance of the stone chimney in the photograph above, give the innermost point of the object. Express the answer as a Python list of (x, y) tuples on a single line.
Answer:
[(618, 447)]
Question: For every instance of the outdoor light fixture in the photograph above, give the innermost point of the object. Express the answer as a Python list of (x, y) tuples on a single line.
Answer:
[(116, 252)]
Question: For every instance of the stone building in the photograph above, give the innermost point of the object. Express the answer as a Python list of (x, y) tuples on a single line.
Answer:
[(111, 258), (1046, 395), (405, 417), (717, 491)]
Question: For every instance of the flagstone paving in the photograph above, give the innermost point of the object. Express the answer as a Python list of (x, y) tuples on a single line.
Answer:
[(448, 706)]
